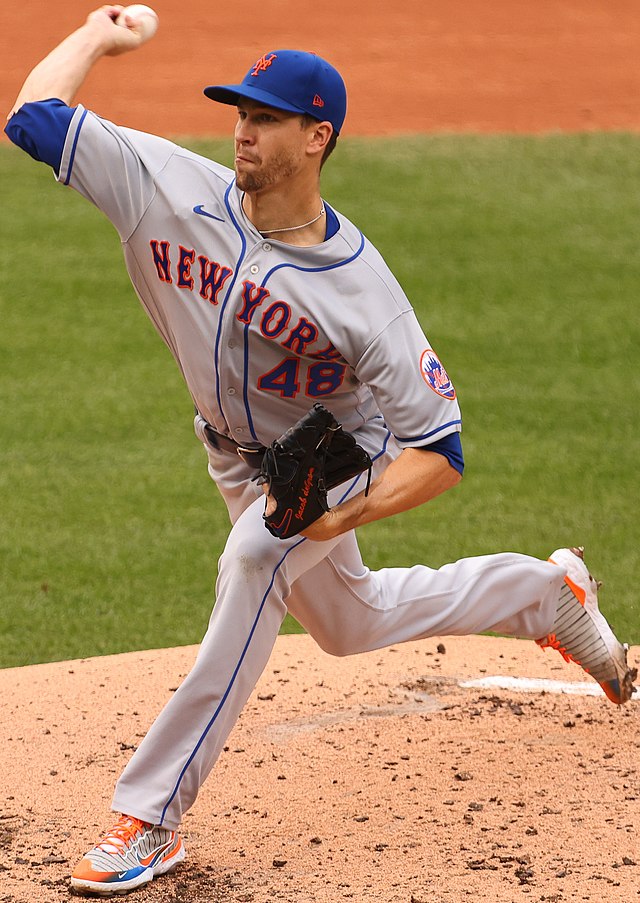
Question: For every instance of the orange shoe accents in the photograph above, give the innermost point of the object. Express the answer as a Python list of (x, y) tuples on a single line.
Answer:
[(552, 642)]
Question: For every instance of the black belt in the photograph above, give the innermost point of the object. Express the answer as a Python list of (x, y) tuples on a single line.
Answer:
[(251, 456)]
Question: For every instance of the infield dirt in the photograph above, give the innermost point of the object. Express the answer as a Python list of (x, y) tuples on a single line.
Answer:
[(376, 777)]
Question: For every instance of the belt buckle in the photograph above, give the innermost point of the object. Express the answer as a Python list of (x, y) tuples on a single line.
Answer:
[(252, 452)]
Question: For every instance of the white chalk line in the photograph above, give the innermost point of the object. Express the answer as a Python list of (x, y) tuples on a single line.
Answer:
[(537, 685)]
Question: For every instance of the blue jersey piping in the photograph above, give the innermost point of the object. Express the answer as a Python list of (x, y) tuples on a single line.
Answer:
[(438, 429), (331, 266), (73, 148), (245, 387)]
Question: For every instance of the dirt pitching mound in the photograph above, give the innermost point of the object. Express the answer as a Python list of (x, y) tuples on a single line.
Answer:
[(405, 775)]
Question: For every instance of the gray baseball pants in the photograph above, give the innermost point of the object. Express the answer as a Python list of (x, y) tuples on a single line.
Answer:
[(343, 605)]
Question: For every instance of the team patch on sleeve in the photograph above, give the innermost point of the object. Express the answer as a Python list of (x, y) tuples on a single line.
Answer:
[(435, 375)]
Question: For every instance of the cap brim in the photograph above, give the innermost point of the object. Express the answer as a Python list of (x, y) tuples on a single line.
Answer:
[(230, 94)]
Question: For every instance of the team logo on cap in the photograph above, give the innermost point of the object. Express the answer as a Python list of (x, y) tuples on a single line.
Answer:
[(263, 63), (435, 375)]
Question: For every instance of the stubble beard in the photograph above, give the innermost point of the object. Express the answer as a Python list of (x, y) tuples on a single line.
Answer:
[(280, 168)]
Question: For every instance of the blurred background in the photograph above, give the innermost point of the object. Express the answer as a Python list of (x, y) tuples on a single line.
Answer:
[(422, 65)]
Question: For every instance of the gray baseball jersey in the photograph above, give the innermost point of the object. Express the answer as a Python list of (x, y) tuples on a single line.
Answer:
[(260, 329)]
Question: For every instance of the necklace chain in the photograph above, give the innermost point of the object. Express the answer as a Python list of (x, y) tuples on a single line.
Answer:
[(295, 228)]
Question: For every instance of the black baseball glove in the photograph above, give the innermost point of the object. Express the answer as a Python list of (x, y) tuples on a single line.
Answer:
[(302, 465)]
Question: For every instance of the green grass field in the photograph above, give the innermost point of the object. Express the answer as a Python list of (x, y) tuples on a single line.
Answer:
[(520, 256)]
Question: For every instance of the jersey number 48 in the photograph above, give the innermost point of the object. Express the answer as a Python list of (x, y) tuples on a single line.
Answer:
[(322, 378)]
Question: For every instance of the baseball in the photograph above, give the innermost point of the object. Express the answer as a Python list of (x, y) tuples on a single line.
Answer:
[(143, 18)]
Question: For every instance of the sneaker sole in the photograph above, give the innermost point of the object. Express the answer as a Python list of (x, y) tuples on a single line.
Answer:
[(621, 691)]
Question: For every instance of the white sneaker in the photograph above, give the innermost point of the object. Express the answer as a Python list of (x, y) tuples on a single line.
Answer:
[(581, 634), (131, 854)]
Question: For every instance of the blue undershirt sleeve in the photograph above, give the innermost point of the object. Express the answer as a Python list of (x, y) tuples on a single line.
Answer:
[(451, 447), (40, 129)]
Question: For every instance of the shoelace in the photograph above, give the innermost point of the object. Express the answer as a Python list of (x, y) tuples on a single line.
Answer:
[(122, 832), (552, 642)]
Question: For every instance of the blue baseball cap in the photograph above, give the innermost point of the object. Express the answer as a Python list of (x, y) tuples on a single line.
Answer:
[(291, 80)]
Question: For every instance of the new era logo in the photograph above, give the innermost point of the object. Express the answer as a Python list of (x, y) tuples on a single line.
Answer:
[(318, 101), (263, 64)]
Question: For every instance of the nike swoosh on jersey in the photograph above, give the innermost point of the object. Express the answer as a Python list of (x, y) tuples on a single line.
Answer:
[(199, 209)]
